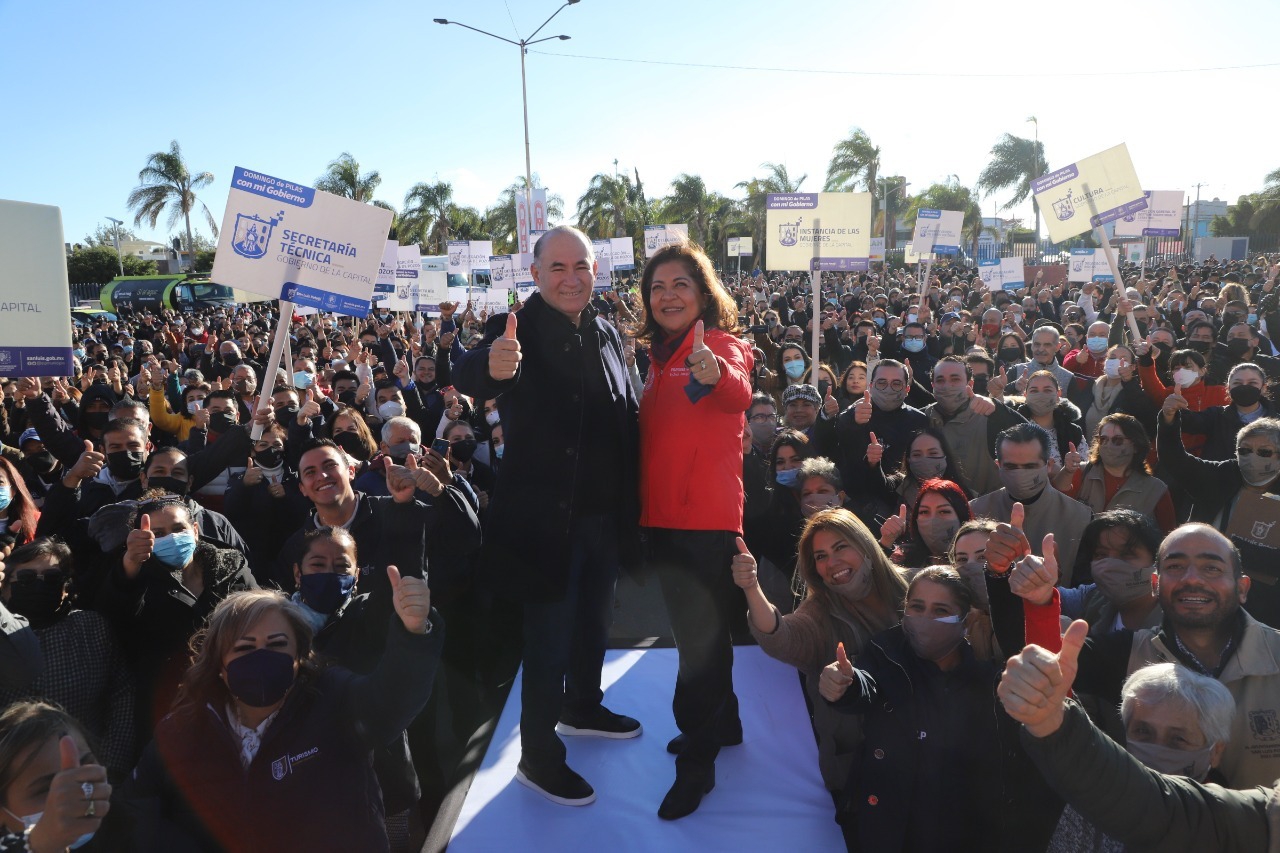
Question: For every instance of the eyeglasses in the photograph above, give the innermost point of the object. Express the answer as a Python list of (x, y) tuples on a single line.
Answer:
[(885, 384), (30, 576), (763, 418)]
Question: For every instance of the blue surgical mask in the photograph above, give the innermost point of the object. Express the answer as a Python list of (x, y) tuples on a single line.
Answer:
[(1098, 344), (127, 350), (1253, 319), (794, 369), (175, 550), (879, 321), (326, 591), (913, 344), (79, 352), (788, 478), (302, 379), (497, 450), (5, 497)]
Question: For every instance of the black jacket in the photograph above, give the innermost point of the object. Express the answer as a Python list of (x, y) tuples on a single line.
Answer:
[(1219, 425), (527, 548), (311, 785)]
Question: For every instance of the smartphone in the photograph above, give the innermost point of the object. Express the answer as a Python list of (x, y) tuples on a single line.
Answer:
[(441, 446)]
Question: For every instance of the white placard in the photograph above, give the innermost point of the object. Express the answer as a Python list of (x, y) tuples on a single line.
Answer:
[(604, 281), (292, 242), (459, 258), (938, 231), (1134, 253), (1162, 218), (432, 289), (1008, 274), (35, 325), (623, 253), (479, 252), (658, 236), (1089, 265), (386, 280), (1088, 193), (877, 248), (495, 300)]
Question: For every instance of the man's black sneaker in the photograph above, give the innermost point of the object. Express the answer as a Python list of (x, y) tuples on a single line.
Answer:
[(599, 723), (558, 784)]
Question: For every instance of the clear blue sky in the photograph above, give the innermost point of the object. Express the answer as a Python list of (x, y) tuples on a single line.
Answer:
[(284, 87)]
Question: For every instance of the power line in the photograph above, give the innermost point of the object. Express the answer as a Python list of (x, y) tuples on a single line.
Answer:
[(947, 74), (513, 19)]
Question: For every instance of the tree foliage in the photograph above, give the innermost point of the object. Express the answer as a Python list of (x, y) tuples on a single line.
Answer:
[(100, 264), (166, 184)]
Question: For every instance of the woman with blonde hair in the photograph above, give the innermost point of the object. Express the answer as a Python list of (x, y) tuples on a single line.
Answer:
[(852, 592), (265, 749)]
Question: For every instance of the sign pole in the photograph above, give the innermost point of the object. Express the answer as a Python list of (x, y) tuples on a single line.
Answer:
[(273, 363), (1109, 250)]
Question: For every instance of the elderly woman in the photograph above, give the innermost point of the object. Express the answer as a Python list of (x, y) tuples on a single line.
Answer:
[(691, 426), (53, 792), (852, 593), (1117, 475), (266, 749)]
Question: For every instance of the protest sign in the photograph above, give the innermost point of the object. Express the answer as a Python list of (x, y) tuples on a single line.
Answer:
[(432, 289), (478, 253), (459, 258), (1089, 265), (408, 272), (1135, 253), (1007, 274), (386, 280), (34, 293), (739, 247), (937, 231), (658, 236), (877, 249), (909, 255), (510, 270), (495, 300), (818, 231), (1162, 218), (604, 281), (1089, 193), (622, 253), (523, 218), (538, 222)]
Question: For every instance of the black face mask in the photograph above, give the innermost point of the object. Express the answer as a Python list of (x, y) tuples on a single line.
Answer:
[(96, 420), (980, 384), (1010, 355), (347, 398), (269, 458), (1201, 347), (231, 359), (220, 422), (463, 450), (38, 600), (1245, 395), (42, 463), (1237, 347), (1163, 350), (243, 386), (351, 443), (172, 485), (284, 414), (125, 465)]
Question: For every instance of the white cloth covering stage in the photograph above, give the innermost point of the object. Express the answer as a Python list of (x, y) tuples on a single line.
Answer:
[(768, 794)]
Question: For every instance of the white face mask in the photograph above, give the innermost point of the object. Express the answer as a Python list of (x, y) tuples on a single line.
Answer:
[(29, 822), (492, 418), (1111, 367), (390, 409), (1185, 376)]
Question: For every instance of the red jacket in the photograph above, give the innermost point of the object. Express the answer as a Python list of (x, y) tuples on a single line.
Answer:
[(691, 453)]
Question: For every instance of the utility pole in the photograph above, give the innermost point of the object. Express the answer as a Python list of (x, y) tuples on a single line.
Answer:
[(1195, 229)]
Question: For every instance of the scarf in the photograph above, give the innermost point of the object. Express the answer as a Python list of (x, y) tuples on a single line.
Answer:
[(1105, 395)]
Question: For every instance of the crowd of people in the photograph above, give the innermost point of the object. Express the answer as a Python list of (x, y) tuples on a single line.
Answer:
[(252, 612)]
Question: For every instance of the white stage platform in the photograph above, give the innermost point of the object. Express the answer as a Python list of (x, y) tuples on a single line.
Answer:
[(768, 795)]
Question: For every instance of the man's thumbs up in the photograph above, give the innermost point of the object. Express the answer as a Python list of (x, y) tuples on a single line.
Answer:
[(1069, 657), (144, 522), (510, 333), (504, 353), (1018, 515), (862, 409), (1036, 681), (393, 577)]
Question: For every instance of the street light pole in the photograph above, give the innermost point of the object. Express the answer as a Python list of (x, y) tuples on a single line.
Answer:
[(523, 44), (119, 257)]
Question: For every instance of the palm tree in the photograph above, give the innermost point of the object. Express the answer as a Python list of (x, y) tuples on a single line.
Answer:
[(854, 161), (166, 182), (613, 206), (1266, 217), (951, 196), (893, 189), (690, 202), (425, 206), (343, 178), (1015, 163), (501, 216), (754, 213)]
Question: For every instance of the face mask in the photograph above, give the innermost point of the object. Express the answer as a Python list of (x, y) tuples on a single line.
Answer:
[(1237, 347), (220, 422), (171, 485), (990, 329), (1186, 377), (269, 458), (1111, 367), (974, 574), (29, 822), (1245, 395), (175, 550), (1024, 483), (927, 467), (794, 369), (96, 420), (855, 588), (887, 400), (79, 352), (230, 359), (42, 463), (1256, 471), (463, 450), (1042, 403), (980, 383), (302, 379), (1201, 347), (391, 409), (325, 592), (1115, 457), (879, 321), (351, 443), (497, 450), (1096, 345), (127, 351), (913, 344), (1194, 764), (787, 479), (1010, 355), (37, 600), (1253, 319), (1119, 581), (932, 639), (951, 399), (493, 417), (937, 533), (125, 465), (403, 450), (261, 678), (762, 433), (347, 398), (815, 503), (1163, 349)]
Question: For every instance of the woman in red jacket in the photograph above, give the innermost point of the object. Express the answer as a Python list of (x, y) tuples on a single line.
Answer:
[(691, 422)]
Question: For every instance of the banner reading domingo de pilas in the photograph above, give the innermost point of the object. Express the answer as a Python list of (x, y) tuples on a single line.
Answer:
[(818, 231), (288, 241)]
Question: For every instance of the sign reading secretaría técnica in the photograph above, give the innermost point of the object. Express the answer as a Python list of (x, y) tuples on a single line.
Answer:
[(35, 325), (289, 241)]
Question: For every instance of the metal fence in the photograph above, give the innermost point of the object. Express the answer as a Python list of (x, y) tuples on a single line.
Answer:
[(85, 293)]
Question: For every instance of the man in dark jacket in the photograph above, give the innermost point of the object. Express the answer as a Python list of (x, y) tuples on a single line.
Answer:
[(565, 510)]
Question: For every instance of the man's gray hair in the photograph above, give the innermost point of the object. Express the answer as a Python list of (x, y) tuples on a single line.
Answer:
[(1163, 682), (564, 229), (819, 466), (401, 421)]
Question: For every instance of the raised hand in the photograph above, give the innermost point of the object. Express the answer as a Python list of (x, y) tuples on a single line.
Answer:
[(401, 371), (504, 353), (401, 482), (893, 528), (1072, 461), (862, 409), (997, 384), (309, 409), (1036, 681), (1173, 403), (412, 600), (86, 467), (424, 478), (979, 404), (704, 367), (875, 451), (1033, 577), (743, 566), (1007, 543), (200, 417), (252, 473), (138, 546), (68, 813), (829, 406), (836, 676)]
